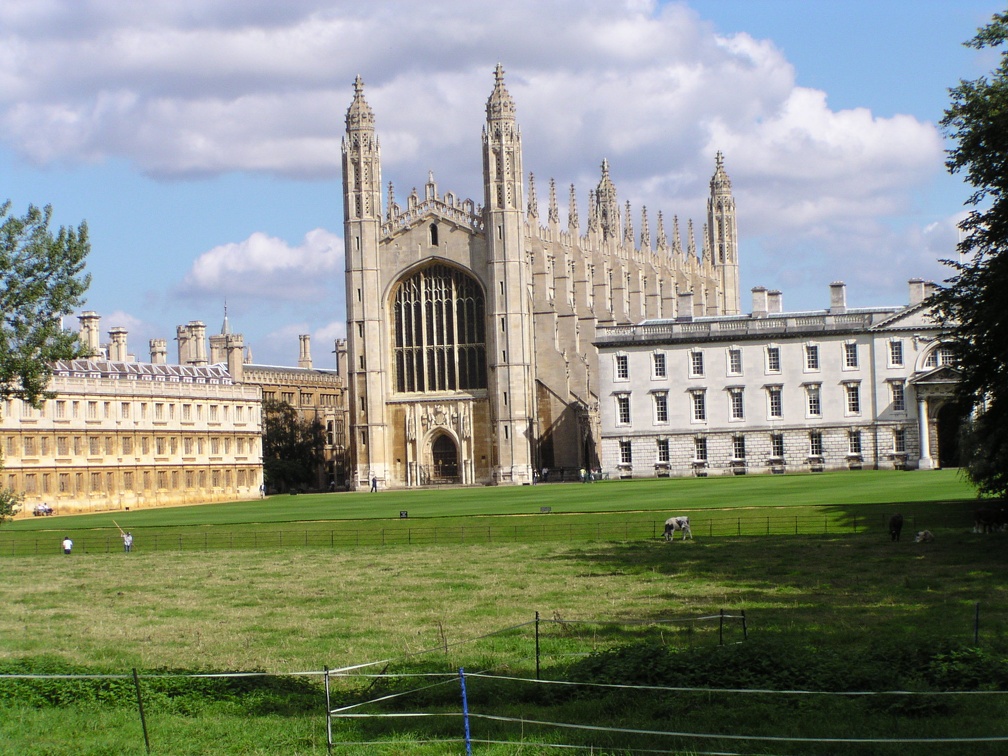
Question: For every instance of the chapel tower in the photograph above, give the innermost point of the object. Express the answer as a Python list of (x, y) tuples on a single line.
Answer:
[(509, 349), (367, 381), (723, 239)]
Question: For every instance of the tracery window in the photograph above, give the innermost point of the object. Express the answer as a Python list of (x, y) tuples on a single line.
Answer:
[(440, 339)]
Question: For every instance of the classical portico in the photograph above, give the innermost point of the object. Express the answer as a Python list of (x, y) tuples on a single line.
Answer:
[(934, 390)]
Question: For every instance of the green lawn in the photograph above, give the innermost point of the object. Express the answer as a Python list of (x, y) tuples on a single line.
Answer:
[(838, 606)]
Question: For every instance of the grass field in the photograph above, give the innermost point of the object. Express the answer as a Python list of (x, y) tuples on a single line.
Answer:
[(844, 609)]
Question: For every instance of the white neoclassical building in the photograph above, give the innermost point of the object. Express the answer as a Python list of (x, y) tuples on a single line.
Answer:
[(774, 392)]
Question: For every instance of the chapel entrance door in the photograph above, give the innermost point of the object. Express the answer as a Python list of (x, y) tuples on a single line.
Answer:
[(444, 456)]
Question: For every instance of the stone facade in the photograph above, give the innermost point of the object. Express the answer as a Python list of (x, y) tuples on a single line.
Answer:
[(470, 325), (127, 435), (774, 392)]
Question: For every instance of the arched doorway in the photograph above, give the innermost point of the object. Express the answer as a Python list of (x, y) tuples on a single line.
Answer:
[(948, 422), (444, 460)]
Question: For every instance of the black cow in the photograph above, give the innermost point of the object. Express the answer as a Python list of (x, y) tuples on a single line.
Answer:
[(895, 526)]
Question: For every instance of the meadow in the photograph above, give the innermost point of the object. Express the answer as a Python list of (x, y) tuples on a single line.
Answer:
[(837, 607)]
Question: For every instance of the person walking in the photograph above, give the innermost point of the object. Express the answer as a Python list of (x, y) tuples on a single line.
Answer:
[(67, 545), (374, 484)]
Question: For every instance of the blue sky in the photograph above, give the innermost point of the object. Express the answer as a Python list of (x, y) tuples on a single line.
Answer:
[(201, 140)]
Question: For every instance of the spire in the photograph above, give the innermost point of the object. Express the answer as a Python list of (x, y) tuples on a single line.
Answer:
[(554, 213), (533, 200), (608, 207), (690, 241), (573, 224), (593, 211), (720, 184), (662, 240), (391, 202), (359, 116), (226, 327), (628, 239), (645, 234), (676, 236), (500, 106)]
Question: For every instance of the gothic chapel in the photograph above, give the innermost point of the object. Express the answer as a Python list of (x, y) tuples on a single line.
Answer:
[(470, 327)]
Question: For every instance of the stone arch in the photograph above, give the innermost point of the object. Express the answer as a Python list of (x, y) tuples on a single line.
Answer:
[(443, 462), (438, 318)]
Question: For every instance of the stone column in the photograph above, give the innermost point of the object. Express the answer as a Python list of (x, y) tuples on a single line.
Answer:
[(925, 462)]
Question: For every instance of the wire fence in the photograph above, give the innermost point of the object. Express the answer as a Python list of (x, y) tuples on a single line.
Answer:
[(513, 695), (404, 532)]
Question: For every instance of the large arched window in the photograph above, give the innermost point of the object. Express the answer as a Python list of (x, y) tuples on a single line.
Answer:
[(440, 339)]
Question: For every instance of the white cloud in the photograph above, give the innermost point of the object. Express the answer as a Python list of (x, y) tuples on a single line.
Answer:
[(183, 88), (264, 268)]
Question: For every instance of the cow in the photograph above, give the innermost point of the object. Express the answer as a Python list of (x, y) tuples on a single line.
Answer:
[(895, 526), (989, 519), (672, 524), (924, 536)]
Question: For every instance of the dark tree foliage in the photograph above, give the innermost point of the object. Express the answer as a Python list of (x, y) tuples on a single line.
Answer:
[(974, 301), (40, 281), (292, 448)]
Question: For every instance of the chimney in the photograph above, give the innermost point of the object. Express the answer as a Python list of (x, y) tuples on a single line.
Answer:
[(235, 348), (837, 298), (304, 358), (158, 351), (684, 306), (916, 291), (117, 345), (775, 305), (341, 357), (89, 322), (759, 302), (197, 329)]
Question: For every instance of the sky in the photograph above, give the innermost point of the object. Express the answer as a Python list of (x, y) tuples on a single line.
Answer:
[(200, 140)]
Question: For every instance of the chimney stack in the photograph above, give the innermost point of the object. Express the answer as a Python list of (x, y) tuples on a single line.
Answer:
[(304, 358), (837, 298), (760, 305)]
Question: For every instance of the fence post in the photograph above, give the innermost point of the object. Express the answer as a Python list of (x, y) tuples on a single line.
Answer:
[(537, 644), (745, 631), (465, 711), (739, 529), (180, 542), (720, 630), (328, 714), (143, 719), (976, 625)]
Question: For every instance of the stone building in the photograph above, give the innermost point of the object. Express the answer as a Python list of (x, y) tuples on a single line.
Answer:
[(316, 393), (839, 388), (120, 434), (470, 325)]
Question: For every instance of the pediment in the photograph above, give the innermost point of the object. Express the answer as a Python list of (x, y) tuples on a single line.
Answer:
[(939, 376), (462, 215), (917, 317)]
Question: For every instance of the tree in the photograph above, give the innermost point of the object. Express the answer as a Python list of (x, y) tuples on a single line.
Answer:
[(973, 301), (41, 280), (10, 504), (293, 448)]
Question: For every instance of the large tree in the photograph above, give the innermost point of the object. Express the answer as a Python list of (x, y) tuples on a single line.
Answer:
[(41, 280), (293, 448), (974, 301)]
